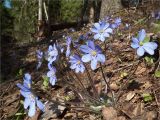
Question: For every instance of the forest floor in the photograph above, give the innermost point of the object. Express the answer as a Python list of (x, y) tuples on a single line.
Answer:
[(136, 89)]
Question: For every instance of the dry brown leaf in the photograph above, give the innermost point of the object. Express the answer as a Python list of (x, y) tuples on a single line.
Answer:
[(130, 95), (114, 86), (133, 110), (139, 109), (120, 118), (151, 115), (140, 70), (109, 113)]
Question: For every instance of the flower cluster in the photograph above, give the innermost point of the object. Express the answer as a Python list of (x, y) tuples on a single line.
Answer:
[(141, 46), (31, 100), (85, 50)]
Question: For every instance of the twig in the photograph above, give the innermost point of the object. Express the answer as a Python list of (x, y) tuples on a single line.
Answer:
[(158, 104)]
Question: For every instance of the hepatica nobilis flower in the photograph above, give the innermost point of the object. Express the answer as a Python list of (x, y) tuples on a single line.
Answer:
[(31, 100), (68, 43), (92, 53), (116, 23), (39, 58), (141, 46), (76, 63), (101, 30), (52, 74), (52, 53), (156, 15), (59, 48)]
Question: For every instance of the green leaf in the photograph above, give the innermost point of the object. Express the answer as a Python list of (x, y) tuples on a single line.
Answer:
[(45, 81), (147, 97), (157, 73), (20, 72), (149, 59)]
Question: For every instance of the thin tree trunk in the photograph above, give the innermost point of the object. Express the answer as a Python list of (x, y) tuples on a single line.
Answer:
[(91, 11), (39, 10)]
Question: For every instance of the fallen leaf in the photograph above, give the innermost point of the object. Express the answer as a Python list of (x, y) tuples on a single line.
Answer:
[(133, 110), (109, 113), (140, 70), (130, 95), (139, 109), (151, 115), (114, 86), (120, 118)]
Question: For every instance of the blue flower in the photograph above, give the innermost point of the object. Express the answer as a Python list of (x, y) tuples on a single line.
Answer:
[(116, 23), (31, 100), (40, 58), (68, 43), (101, 30), (60, 48), (52, 74), (52, 53), (141, 46), (27, 80), (81, 40), (92, 53), (76, 63), (156, 15)]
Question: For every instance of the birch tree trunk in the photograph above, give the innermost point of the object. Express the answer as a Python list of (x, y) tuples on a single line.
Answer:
[(109, 6), (39, 10)]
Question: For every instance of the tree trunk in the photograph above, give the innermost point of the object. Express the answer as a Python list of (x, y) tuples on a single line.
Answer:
[(91, 11), (108, 7), (40, 10)]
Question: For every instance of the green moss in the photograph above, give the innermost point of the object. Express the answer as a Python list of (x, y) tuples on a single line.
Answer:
[(70, 10)]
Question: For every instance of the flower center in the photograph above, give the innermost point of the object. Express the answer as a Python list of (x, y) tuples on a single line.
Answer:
[(94, 53), (29, 85), (53, 74), (101, 31), (78, 62), (141, 43)]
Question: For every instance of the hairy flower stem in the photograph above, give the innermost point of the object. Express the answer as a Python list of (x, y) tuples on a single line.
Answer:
[(79, 81), (75, 90), (71, 85), (90, 79), (92, 83), (80, 95), (107, 82), (87, 94)]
